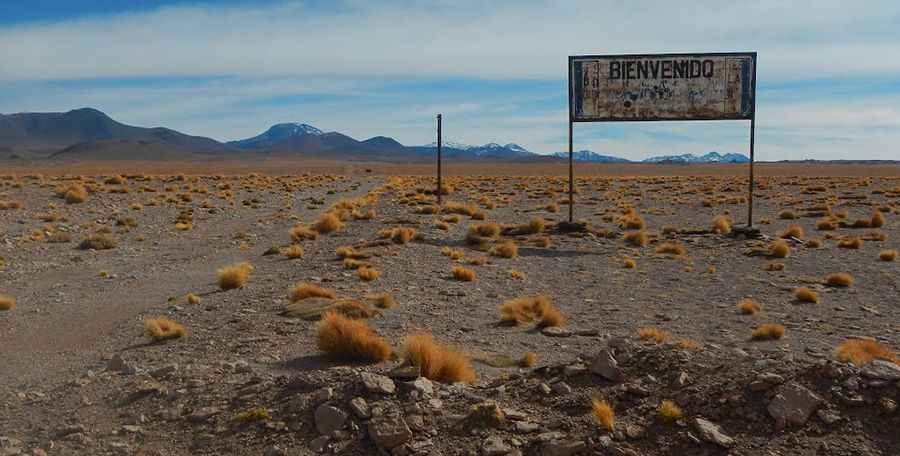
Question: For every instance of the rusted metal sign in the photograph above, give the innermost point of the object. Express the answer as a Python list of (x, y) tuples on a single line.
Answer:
[(662, 87)]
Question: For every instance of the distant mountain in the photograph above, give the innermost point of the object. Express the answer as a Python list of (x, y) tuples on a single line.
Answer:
[(452, 149), (711, 157), (284, 133), (55, 131), (591, 157)]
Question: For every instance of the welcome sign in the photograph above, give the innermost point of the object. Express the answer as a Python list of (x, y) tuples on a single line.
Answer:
[(662, 87)]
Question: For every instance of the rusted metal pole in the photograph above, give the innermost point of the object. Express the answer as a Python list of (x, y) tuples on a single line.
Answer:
[(752, 157), (439, 192), (571, 177)]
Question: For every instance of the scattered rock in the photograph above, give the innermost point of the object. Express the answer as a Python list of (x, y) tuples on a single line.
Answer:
[(712, 433), (360, 408), (329, 419), (319, 443), (422, 385), (494, 446), (389, 432), (606, 366), (375, 383), (203, 414), (557, 331), (562, 447), (118, 364), (562, 388), (793, 404), (882, 370), (405, 372)]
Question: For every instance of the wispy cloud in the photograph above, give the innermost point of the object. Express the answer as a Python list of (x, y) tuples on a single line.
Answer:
[(496, 69)]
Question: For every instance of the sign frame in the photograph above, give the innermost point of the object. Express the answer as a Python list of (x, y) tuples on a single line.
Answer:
[(573, 119)]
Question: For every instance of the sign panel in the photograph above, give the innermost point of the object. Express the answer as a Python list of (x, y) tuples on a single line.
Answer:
[(662, 87)]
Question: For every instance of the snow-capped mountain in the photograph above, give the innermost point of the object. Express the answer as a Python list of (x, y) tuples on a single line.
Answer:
[(591, 157), (277, 133), (711, 157)]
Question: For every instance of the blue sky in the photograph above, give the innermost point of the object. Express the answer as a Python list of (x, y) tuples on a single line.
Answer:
[(829, 75)]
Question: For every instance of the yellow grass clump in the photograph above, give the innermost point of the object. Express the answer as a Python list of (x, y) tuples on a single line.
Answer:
[(826, 225), (303, 290), (193, 299), (793, 231), (162, 328), (292, 252), (636, 238), (254, 414), (839, 279), (877, 220), (804, 294), (888, 255), (528, 309), (327, 223), (437, 362), (603, 414), (779, 249), (768, 331), (234, 276), (487, 229), (813, 243), (348, 339), (368, 273), (787, 215), (528, 359), (629, 263), (384, 301), (507, 249), (463, 274), (75, 194), (688, 344), (749, 306), (516, 274), (652, 333), (774, 266), (7, 303), (721, 224), (671, 248), (301, 232), (863, 351), (669, 411), (850, 243)]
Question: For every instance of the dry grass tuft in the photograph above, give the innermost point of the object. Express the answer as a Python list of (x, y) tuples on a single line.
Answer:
[(779, 249), (162, 328), (850, 243), (671, 248), (877, 220), (348, 339), (652, 333), (813, 244), (327, 223), (303, 290), (863, 351), (774, 266), (7, 303), (528, 359), (293, 252), (507, 249), (98, 242), (749, 306), (804, 294), (839, 279), (368, 273), (193, 299), (603, 414), (669, 411), (793, 231), (300, 232), (768, 331), (384, 301), (787, 215), (629, 263), (75, 194), (688, 344), (254, 414), (636, 238), (437, 362), (234, 276), (463, 274), (888, 255), (516, 274), (488, 230), (529, 309), (721, 224)]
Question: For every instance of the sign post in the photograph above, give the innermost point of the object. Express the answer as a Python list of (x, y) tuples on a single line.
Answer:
[(659, 87), (439, 191)]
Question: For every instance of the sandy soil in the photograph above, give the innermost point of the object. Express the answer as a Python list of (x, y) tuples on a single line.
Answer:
[(77, 309)]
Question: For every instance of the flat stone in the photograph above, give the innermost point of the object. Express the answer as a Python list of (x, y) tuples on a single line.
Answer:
[(712, 433), (405, 372), (561, 388), (494, 446), (562, 447), (793, 404), (389, 432), (882, 370), (557, 331), (318, 444), (606, 366), (377, 383), (527, 427), (329, 419), (203, 414), (422, 385), (118, 364), (360, 408)]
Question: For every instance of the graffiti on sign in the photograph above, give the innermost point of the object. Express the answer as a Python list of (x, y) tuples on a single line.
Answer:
[(662, 87)]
